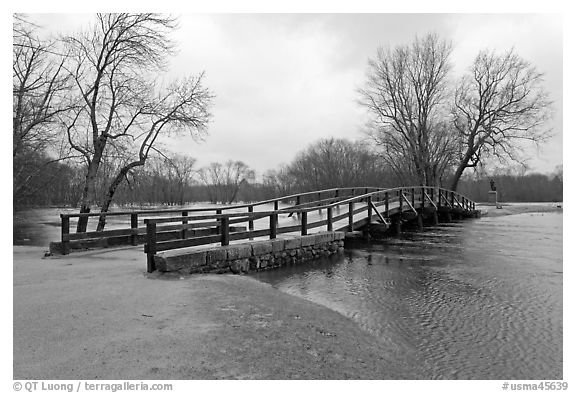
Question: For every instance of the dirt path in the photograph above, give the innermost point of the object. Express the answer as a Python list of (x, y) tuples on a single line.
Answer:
[(96, 315)]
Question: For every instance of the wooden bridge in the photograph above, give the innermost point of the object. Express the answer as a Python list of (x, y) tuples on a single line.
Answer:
[(338, 209)]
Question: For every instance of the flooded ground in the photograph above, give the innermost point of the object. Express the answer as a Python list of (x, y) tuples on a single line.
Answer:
[(477, 299)]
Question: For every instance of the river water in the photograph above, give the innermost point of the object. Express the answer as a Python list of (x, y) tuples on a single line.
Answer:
[(476, 299)]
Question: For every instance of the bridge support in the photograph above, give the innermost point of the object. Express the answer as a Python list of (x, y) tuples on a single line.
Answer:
[(398, 227), (420, 222), (435, 218)]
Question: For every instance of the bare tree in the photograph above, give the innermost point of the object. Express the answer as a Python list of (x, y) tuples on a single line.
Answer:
[(113, 66), (406, 97), (181, 169), (333, 162), (497, 104), (39, 88), (224, 181), (184, 107), (279, 181)]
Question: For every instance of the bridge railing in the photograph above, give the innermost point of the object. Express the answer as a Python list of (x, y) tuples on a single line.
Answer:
[(134, 232), (299, 203), (393, 200)]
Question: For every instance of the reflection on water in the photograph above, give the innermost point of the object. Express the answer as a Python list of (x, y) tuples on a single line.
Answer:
[(478, 299)]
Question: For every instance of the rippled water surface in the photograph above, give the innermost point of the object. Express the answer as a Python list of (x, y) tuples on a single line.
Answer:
[(477, 299)]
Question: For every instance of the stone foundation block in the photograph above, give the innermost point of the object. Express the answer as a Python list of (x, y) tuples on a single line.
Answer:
[(216, 255), (180, 262), (293, 243), (238, 251), (262, 263), (261, 248), (325, 237), (339, 235), (278, 245), (308, 240), (240, 265)]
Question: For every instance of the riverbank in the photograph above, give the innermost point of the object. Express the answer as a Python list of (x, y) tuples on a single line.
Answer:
[(97, 315), (518, 208)]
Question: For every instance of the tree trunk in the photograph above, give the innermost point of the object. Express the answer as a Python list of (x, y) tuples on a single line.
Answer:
[(234, 193), (458, 174), (181, 193), (112, 190), (90, 183), (87, 193)]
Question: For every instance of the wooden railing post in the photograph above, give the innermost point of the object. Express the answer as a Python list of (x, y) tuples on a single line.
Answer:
[(423, 197), (304, 223), (369, 201), (329, 218), (65, 232), (452, 198), (298, 200), (250, 220), (219, 227), (350, 216), (401, 199), (183, 234), (276, 205), (225, 230), (134, 225), (439, 197), (151, 245), (413, 192), (273, 225), (386, 202)]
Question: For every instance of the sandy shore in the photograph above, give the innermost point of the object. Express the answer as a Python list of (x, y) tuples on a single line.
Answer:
[(97, 315)]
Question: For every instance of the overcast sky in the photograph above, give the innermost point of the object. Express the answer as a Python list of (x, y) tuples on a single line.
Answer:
[(283, 81)]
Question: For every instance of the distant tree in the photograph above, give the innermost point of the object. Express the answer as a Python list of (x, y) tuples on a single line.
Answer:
[(279, 181), (405, 94), (332, 163), (223, 181), (499, 103), (113, 66), (180, 172)]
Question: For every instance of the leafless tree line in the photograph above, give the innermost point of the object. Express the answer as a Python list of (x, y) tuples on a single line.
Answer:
[(97, 100)]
